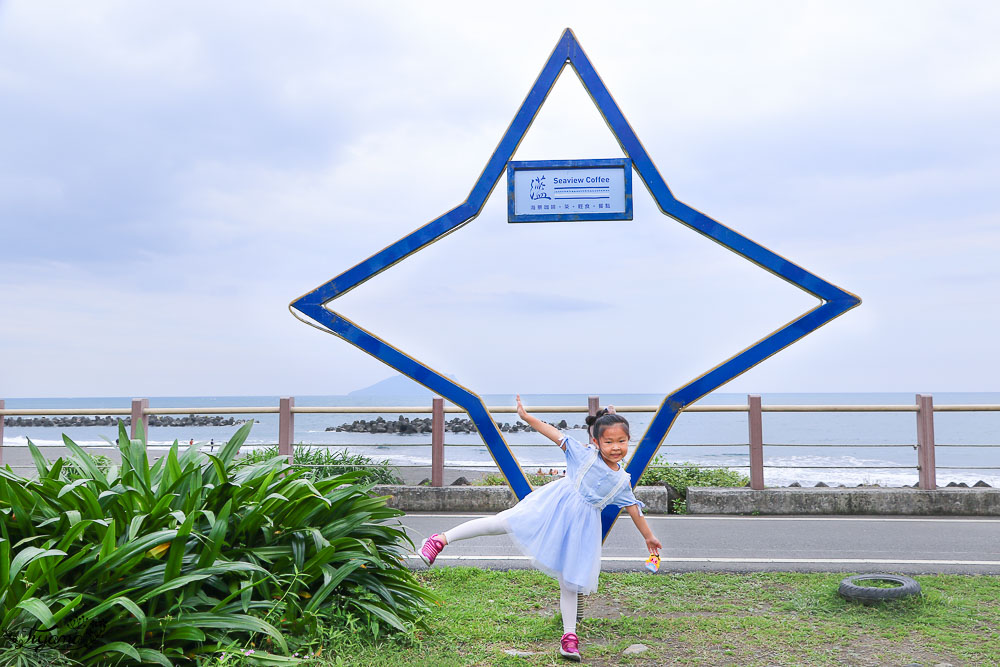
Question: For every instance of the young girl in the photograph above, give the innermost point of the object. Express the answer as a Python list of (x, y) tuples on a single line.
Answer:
[(559, 525)]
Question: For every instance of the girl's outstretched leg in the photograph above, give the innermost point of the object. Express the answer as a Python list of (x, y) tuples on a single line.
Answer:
[(488, 525), (432, 546), (570, 645)]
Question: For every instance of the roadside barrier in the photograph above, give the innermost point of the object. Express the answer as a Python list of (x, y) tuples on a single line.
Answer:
[(924, 410)]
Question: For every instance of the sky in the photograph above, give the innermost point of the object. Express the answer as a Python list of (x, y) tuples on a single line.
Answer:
[(172, 175)]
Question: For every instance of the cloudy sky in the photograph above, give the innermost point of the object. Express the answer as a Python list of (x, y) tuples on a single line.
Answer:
[(172, 175)]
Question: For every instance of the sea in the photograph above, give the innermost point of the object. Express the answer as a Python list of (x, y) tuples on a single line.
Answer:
[(834, 448)]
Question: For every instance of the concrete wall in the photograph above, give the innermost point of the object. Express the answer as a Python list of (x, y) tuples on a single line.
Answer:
[(486, 499), (941, 502), (708, 500)]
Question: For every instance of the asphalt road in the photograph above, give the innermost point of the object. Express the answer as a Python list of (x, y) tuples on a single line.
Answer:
[(907, 545)]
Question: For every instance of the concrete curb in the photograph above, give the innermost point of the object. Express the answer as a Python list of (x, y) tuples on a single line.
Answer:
[(486, 499), (916, 502)]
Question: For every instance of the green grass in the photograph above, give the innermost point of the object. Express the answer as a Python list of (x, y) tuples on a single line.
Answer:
[(690, 619), (877, 583)]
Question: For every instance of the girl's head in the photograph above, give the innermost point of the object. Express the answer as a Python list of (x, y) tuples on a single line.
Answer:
[(609, 431)]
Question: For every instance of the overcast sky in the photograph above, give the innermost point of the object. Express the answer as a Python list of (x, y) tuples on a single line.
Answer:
[(172, 175)]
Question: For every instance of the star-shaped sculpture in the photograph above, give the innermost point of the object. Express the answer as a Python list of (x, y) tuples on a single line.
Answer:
[(833, 300)]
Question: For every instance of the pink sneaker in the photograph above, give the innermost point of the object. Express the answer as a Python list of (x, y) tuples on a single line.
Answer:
[(570, 647), (431, 548)]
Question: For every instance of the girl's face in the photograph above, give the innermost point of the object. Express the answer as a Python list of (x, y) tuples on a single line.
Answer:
[(613, 443)]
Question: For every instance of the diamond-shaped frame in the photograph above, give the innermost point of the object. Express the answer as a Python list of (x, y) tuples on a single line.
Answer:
[(833, 300)]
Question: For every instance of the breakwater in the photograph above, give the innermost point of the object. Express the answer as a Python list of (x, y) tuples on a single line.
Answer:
[(405, 426), (154, 420)]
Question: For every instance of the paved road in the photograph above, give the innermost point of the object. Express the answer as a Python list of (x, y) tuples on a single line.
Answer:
[(909, 545)]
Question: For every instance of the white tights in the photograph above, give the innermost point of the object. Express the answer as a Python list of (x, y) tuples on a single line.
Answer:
[(567, 605), (494, 525), (488, 525)]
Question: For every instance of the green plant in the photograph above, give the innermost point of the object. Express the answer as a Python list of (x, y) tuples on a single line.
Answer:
[(496, 479), (25, 650), (683, 475), (73, 471), (321, 463), (163, 563)]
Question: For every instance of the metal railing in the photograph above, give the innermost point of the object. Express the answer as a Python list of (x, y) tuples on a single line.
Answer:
[(924, 410)]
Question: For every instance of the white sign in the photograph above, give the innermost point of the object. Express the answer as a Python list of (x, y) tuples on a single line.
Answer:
[(576, 191)]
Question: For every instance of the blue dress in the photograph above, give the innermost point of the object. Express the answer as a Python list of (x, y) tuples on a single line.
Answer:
[(559, 525)]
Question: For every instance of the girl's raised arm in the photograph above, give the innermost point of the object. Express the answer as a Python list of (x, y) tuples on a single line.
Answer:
[(548, 430)]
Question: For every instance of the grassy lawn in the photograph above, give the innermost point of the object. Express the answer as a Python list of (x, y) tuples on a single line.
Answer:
[(693, 619)]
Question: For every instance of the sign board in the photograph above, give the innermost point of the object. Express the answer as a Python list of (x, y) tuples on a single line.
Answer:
[(569, 190)]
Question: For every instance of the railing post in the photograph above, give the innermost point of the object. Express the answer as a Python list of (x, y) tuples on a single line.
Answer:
[(2, 417), (437, 442), (756, 422), (593, 405), (286, 427), (925, 442), (139, 406)]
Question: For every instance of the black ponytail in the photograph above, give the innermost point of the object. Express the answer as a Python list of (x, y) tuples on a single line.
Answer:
[(602, 420)]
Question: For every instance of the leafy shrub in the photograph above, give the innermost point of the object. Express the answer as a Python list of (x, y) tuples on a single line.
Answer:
[(682, 475), (73, 471), (163, 563), (496, 479), (321, 463), (25, 650)]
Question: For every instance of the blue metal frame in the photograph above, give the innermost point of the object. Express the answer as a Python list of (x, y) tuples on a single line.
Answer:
[(833, 300), (536, 165)]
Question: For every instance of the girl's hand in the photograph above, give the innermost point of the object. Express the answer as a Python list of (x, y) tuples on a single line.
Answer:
[(611, 410), (653, 545), (521, 412), (548, 430)]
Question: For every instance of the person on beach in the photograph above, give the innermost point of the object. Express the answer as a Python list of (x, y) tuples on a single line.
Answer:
[(558, 525)]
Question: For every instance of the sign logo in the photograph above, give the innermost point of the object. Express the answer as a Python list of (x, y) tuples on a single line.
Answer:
[(538, 188)]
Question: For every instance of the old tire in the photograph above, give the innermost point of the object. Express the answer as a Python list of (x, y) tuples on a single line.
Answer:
[(851, 590)]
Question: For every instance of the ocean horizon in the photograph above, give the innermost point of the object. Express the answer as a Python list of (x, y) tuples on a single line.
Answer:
[(865, 448)]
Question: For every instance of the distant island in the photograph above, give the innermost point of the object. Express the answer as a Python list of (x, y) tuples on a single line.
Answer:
[(397, 385)]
